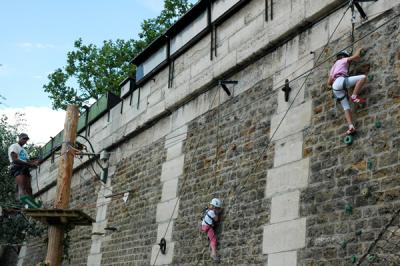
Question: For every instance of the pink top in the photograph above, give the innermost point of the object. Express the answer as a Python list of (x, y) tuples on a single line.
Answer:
[(340, 69)]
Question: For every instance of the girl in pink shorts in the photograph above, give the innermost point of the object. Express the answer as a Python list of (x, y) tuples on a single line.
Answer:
[(210, 218)]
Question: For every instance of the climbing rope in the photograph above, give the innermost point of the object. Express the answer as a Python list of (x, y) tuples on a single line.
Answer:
[(183, 183), (307, 73)]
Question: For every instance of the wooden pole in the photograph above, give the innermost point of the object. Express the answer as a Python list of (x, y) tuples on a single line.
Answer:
[(56, 232)]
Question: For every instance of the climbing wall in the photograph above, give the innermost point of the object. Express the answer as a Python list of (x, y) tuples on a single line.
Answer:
[(354, 189), (224, 158)]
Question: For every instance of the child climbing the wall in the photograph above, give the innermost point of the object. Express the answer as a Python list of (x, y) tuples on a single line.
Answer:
[(340, 81), (210, 217)]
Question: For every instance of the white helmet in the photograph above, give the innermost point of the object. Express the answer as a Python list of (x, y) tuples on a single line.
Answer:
[(216, 202)]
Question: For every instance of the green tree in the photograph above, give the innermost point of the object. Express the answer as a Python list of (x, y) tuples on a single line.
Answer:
[(14, 227), (91, 71)]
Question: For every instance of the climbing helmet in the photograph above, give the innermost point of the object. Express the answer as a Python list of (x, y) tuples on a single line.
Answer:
[(343, 53), (216, 202)]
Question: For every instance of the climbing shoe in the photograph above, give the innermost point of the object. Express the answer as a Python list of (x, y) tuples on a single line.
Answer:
[(357, 99), (350, 131), (215, 258)]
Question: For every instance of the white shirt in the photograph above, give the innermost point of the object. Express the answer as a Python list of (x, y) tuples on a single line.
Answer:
[(208, 218), (21, 152)]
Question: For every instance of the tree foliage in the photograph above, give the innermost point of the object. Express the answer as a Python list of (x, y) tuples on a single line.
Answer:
[(91, 70), (14, 226)]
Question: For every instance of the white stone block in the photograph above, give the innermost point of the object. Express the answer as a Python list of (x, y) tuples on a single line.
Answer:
[(179, 134), (285, 207), (165, 209), (98, 227), (101, 214), (288, 149), (173, 168), (94, 260), (169, 189), (283, 259), (296, 120), (285, 236), (287, 177), (222, 64), (163, 232), (175, 149), (157, 258), (95, 248), (320, 29), (246, 33), (200, 65)]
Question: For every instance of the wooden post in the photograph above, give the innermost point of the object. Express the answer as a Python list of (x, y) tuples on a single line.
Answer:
[(56, 232)]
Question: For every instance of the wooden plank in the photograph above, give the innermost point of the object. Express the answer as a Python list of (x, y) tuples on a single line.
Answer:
[(60, 216)]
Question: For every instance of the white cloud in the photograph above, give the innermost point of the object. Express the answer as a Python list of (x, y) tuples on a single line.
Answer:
[(29, 45), (41, 122), (152, 5)]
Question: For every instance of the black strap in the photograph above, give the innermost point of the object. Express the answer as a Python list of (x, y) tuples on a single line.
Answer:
[(345, 86), (212, 224)]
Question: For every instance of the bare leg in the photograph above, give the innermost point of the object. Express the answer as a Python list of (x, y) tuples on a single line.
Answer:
[(358, 86), (349, 119), (24, 185)]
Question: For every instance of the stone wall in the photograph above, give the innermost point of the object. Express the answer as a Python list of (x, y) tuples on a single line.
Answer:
[(135, 219), (225, 159), (283, 204), (340, 174)]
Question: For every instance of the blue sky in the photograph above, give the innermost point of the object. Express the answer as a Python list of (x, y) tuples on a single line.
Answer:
[(36, 35)]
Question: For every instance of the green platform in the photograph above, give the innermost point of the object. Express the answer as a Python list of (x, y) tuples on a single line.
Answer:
[(30, 202)]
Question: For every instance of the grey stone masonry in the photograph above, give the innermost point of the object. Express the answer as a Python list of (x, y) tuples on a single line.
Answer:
[(364, 175), (225, 158), (284, 201), (135, 219)]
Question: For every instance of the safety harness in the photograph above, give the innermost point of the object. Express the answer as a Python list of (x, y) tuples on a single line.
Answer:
[(344, 88), (204, 214)]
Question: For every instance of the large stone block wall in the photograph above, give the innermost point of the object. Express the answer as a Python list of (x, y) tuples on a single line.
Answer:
[(135, 219), (339, 174), (280, 209), (224, 158)]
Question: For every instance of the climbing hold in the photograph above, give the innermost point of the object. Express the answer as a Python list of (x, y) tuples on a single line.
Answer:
[(371, 257), (358, 232), (370, 165), (363, 52), (353, 259), (378, 124), (348, 209), (361, 105), (370, 77), (365, 192), (163, 245), (343, 244), (348, 139)]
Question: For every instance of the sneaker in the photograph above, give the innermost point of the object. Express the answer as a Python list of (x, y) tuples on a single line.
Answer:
[(215, 258), (357, 99), (350, 131)]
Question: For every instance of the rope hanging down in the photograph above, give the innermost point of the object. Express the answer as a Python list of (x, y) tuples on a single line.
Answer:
[(307, 73), (268, 143)]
